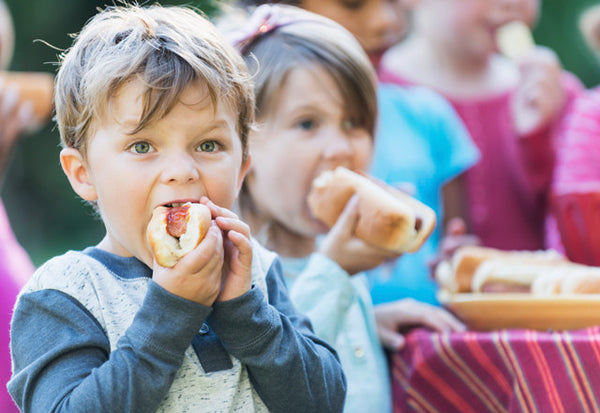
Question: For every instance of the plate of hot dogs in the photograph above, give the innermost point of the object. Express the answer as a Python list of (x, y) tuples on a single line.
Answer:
[(491, 289)]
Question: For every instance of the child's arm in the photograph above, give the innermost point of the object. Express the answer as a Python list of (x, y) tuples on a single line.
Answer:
[(291, 369), (538, 107), (63, 360)]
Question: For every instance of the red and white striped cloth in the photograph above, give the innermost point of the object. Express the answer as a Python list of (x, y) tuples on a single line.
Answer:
[(500, 371)]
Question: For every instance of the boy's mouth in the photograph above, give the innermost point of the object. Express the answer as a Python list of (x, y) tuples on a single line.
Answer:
[(179, 203)]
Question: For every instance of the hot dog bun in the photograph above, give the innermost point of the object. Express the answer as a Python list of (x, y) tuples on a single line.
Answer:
[(388, 219), (571, 279), (458, 274), (168, 249), (35, 87)]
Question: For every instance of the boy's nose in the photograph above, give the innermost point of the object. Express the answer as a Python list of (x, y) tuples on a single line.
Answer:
[(180, 168)]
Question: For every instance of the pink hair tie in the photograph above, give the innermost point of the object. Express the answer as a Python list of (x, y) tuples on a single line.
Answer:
[(265, 19)]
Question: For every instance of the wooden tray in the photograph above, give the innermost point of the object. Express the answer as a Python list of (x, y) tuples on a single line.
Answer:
[(486, 311)]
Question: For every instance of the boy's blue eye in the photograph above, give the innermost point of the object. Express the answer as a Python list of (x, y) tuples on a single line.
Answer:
[(141, 147), (208, 146)]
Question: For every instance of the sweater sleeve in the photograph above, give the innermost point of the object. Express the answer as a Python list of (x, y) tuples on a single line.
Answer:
[(291, 369), (62, 360)]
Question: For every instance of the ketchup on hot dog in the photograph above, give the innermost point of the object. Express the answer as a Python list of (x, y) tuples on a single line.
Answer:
[(177, 219)]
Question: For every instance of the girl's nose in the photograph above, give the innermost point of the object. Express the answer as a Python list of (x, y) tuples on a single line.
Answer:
[(179, 167), (338, 147)]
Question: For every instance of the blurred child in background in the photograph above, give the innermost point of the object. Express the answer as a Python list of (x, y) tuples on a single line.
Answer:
[(316, 110), (421, 144), (576, 184), (15, 265), (512, 109)]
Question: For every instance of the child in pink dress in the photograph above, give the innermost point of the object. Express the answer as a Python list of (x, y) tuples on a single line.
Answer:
[(511, 109), (576, 185), (15, 265)]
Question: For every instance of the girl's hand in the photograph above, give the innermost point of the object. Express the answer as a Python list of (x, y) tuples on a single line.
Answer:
[(393, 317), (539, 96), (237, 267), (197, 276), (352, 254)]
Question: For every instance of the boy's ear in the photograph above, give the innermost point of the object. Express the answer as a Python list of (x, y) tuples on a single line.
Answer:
[(75, 168), (243, 171)]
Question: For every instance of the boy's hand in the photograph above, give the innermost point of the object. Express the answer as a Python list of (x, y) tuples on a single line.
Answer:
[(352, 254), (399, 315), (197, 276), (237, 267), (540, 95)]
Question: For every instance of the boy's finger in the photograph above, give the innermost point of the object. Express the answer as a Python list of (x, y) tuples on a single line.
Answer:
[(216, 210), (233, 224)]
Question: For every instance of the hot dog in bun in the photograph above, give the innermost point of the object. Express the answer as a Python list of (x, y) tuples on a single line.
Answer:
[(388, 219), (457, 275), (175, 231)]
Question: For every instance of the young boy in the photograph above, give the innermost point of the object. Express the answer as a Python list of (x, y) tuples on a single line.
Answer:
[(153, 109)]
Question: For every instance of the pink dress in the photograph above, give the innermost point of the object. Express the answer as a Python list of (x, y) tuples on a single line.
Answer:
[(15, 269), (578, 157), (576, 183), (507, 189)]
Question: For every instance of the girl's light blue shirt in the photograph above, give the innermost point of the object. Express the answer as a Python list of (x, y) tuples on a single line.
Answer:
[(340, 309)]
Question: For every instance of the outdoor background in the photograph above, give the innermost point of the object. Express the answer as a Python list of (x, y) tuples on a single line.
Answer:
[(49, 219)]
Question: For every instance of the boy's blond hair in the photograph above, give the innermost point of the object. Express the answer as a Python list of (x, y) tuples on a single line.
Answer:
[(166, 48)]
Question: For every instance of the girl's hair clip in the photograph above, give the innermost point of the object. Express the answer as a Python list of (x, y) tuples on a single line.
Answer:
[(264, 20)]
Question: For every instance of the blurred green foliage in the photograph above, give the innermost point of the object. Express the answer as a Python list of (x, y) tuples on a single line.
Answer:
[(46, 215)]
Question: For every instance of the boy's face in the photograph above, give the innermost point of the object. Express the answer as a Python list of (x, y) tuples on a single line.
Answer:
[(377, 24), (306, 131), (193, 151)]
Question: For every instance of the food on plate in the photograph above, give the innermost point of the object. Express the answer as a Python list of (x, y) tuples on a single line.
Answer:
[(572, 279), (457, 274), (503, 276), (36, 87), (514, 39), (388, 219), (175, 230)]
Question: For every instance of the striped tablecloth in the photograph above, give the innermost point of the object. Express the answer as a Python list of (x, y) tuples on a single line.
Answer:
[(501, 371)]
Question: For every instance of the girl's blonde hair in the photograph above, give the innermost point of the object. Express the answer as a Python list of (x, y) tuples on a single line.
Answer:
[(299, 38), (166, 48)]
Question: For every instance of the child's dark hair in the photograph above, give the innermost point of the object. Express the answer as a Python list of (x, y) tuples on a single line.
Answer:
[(303, 39)]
